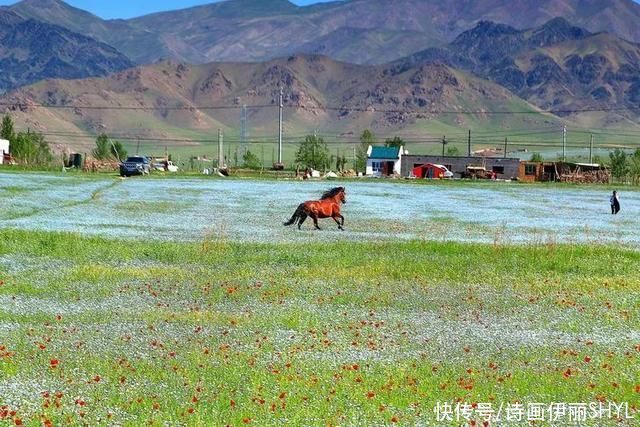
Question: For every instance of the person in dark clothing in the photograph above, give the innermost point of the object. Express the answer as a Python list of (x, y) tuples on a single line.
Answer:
[(615, 203)]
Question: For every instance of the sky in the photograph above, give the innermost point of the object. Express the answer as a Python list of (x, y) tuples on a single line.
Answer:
[(111, 9)]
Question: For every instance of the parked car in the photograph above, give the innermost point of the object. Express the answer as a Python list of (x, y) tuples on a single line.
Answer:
[(135, 165), (165, 166), (477, 172)]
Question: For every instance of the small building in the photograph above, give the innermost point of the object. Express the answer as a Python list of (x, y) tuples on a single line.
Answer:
[(4, 150), (431, 171), (563, 172), (537, 172), (384, 161), (502, 168)]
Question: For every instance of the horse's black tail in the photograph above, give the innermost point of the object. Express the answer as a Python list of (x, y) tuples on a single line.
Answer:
[(296, 215)]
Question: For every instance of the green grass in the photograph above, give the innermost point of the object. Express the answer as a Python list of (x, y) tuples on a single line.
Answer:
[(218, 332)]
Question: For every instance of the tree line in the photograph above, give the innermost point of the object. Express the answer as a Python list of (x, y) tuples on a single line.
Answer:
[(314, 153), (29, 148), (625, 167)]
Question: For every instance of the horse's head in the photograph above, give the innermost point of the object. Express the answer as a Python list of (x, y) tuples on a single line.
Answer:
[(343, 195), (337, 194)]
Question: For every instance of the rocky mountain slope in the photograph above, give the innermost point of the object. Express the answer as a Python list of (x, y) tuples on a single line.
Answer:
[(32, 50), (175, 100), (357, 31), (556, 66)]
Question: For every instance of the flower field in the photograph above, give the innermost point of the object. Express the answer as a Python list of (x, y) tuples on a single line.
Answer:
[(196, 308), (253, 211)]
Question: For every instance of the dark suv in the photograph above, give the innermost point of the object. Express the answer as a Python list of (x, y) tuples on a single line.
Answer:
[(135, 165)]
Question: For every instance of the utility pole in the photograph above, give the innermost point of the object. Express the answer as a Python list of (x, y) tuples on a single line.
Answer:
[(280, 107), (355, 164), (243, 127), (220, 149), (469, 143), (138, 145), (505, 147), (564, 143), (114, 149), (444, 143), (591, 149)]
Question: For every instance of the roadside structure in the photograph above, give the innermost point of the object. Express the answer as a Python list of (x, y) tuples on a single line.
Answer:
[(384, 161), (538, 171), (4, 150), (464, 166)]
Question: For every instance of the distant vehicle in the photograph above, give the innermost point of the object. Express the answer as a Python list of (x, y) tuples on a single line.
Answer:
[(165, 166), (135, 165), (447, 172), (477, 172), (171, 167), (431, 171)]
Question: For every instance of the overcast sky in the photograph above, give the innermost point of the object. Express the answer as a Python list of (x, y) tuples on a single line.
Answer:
[(131, 8)]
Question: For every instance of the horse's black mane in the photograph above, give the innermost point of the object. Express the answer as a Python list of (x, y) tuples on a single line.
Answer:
[(331, 193)]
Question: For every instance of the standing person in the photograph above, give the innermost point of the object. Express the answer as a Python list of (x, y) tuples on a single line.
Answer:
[(615, 203)]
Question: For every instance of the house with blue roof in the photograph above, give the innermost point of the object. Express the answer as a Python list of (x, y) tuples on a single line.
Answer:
[(384, 161)]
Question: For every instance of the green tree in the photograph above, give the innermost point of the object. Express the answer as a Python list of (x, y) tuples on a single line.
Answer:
[(366, 139), (31, 149), (103, 147), (250, 161), (396, 141), (453, 151), (313, 152), (619, 164), (118, 151), (536, 157), (634, 166), (7, 132)]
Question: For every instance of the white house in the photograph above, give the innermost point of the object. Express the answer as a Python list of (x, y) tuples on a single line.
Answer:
[(4, 149), (384, 161)]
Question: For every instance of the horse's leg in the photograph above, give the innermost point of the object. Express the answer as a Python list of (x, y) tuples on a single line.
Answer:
[(335, 218), (303, 218), (315, 221), (342, 218)]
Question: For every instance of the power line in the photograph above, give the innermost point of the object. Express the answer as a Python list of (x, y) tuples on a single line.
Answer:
[(347, 109)]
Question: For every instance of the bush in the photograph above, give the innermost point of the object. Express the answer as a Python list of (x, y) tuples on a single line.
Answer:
[(250, 161), (31, 149)]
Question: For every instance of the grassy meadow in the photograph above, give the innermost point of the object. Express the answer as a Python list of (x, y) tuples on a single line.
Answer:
[(104, 331)]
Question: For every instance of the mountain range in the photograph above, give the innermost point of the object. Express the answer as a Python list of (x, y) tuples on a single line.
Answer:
[(556, 66), (357, 31), (407, 67), (179, 102), (32, 50)]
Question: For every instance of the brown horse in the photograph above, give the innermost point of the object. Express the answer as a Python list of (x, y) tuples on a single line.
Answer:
[(327, 207)]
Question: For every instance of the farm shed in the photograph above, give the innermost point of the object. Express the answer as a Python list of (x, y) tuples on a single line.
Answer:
[(503, 168), (384, 161), (583, 173), (4, 150), (563, 172), (537, 172), (430, 171)]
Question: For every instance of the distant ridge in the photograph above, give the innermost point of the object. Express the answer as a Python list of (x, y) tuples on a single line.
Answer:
[(32, 50), (357, 31)]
